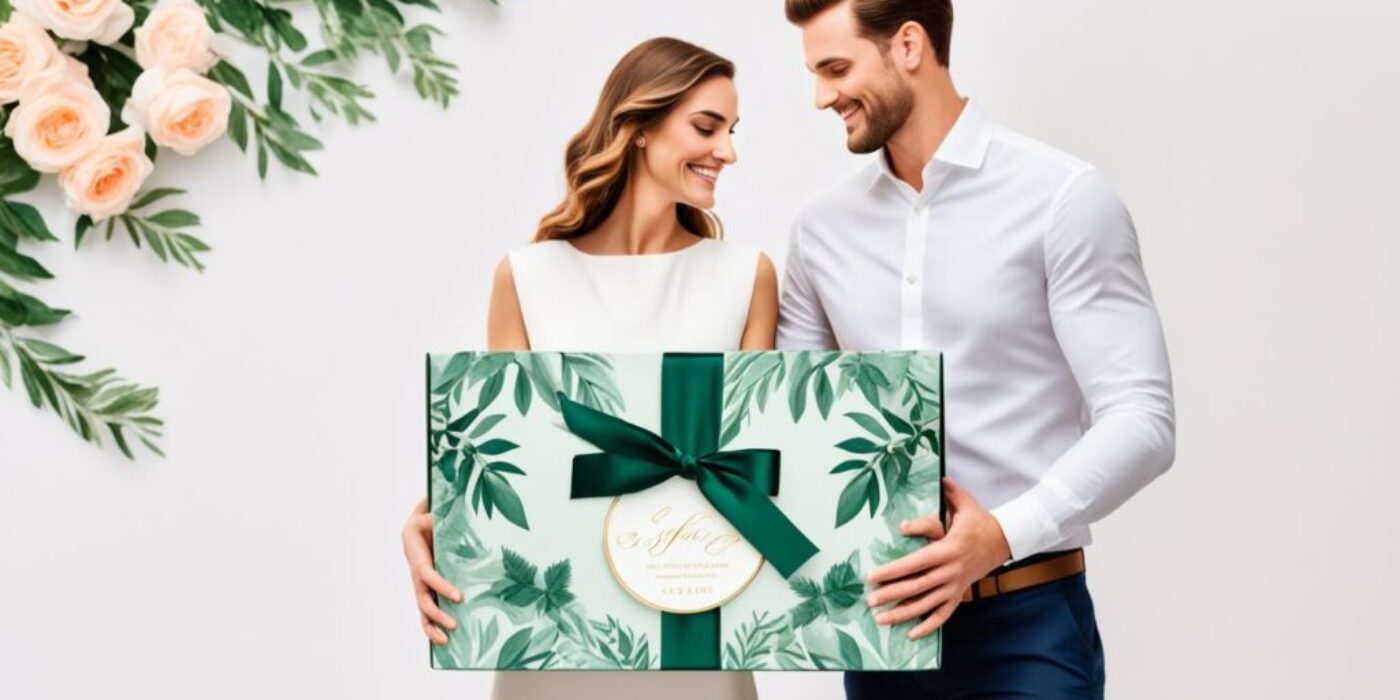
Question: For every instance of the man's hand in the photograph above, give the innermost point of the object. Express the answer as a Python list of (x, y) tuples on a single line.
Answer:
[(934, 578)]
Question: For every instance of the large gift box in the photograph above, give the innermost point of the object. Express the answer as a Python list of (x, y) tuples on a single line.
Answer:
[(644, 511)]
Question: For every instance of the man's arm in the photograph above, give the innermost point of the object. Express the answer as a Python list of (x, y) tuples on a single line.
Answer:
[(1108, 329), (802, 322)]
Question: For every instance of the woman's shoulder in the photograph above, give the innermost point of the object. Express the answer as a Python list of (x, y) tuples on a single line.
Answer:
[(736, 251), (537, 253)]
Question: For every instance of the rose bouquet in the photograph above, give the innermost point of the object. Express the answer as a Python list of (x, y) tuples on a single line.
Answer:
[(95, 91)]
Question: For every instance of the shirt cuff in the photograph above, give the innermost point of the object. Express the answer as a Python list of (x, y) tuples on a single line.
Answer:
[(1027, 524)]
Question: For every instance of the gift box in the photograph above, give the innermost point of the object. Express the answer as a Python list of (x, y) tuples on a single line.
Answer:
[(652, 511)]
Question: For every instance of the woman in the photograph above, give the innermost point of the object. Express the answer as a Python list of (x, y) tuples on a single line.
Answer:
[(631, 260)]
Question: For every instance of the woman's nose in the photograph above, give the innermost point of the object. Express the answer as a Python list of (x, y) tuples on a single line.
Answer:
[(725, 152)]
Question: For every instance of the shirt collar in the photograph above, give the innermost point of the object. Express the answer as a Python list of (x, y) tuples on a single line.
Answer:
[(965, 146)]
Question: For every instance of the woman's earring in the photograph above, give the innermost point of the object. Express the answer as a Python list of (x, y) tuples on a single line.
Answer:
[(641, 142)]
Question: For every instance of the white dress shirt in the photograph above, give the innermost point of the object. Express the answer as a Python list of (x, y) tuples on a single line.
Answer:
[(1021, 264)]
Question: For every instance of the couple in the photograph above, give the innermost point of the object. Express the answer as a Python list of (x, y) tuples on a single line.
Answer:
[(1016, 260)]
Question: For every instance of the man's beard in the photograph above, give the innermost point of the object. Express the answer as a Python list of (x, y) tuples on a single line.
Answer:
[(885, 114)]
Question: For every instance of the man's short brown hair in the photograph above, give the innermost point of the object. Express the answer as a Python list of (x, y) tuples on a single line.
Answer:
[(880, 19)]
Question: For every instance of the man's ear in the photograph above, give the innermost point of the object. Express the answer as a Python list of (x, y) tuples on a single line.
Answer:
[(907, 46)]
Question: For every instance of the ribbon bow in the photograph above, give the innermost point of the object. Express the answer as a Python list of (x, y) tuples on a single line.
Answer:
[(738, 483)]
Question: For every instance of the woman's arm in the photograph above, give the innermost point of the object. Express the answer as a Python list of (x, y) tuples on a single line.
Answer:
[(761, 329), (505, 330), (505, 324)]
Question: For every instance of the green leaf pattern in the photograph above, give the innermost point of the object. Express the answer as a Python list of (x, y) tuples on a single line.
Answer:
[(538, 623), (529, 618)]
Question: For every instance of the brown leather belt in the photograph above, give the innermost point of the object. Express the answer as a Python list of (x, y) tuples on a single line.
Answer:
[(1014, 579)]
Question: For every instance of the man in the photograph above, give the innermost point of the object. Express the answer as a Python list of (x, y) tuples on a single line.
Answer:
[(1022, 266)]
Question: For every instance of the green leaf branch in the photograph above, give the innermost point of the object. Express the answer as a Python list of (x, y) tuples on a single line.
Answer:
[(162, 231), (88, 403)]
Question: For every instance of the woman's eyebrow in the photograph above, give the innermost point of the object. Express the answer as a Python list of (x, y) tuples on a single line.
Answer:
[(714, 115)]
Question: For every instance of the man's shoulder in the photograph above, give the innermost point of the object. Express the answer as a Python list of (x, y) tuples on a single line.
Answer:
[(1031, 157), (848, 192)]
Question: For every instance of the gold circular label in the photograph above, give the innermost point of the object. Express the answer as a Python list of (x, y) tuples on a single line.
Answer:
[(670, 549)]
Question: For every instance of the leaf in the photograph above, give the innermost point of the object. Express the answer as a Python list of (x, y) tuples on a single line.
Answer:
[(513, 649), (517, 568), (496, 446), (154, 196), (932, 438), (842, 586), (558, 576), (447, 465), (849, 465), (238, 126), (853, 497), (850, 651), (18, 265), (490, 390), (870, 424), (463, 421), (797, 388), (505, 467), (48, 353), (505, 498), (24, 220), (20, 309), (805, 613), (521, 596), (896, 422), (825, 396), (859, 446), (274, 85), (805, 587), (15, 174), (486, 425), (522, 392), (319, 57), (174, 218), (227, 73), (81, 227)]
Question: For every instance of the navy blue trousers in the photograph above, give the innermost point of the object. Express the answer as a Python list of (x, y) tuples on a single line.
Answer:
[(1038, 642)]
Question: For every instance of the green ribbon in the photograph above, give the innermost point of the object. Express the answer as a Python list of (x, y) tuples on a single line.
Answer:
[(738, 483)]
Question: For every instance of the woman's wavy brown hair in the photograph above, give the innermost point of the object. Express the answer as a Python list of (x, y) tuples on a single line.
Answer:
[(641, 90)]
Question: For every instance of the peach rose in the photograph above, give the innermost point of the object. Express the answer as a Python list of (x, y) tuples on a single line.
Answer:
[(176, 35), (60, 117), (103, 182), (25, 49), (102, 21), (180, 109)]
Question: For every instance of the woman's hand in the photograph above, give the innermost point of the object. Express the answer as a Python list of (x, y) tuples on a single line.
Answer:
[(418, 549)]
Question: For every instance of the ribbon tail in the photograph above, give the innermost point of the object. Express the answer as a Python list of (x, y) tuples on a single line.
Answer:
[(759, 520)]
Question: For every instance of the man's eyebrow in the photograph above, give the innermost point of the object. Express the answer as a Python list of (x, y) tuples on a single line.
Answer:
[(828, 61)]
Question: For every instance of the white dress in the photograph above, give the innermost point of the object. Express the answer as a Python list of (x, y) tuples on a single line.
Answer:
[(692, 300)]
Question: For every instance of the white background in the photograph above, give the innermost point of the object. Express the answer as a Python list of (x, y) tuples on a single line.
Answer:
[(1255, 144)]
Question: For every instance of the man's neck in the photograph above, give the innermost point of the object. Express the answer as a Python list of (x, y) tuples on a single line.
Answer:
[(914, 145)]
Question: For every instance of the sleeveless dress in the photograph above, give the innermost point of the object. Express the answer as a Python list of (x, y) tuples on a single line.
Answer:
[(692, 300)]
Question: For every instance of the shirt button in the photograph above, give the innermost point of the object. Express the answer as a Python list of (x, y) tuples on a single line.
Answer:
[(911, 278)]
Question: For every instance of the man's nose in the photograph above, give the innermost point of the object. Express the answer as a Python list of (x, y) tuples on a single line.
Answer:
[(826, 95)]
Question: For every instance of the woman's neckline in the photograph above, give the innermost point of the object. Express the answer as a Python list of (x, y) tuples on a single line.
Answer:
[(624, 256)]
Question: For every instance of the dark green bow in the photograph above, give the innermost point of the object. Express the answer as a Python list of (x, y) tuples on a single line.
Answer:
[(738, 483)]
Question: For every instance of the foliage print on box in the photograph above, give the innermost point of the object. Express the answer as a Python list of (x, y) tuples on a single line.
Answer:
[(544, 623), (897, 454), (882, 412)]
